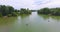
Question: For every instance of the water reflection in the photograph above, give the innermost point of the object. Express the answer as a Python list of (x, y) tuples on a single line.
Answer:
[(43, 16), (21, 22), (56, 17), (6, 21), (47, 17), (30, 23), (53, 25), (24, 18), (6, 24)]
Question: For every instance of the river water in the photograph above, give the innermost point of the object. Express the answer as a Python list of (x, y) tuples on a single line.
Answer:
[(30, 23)]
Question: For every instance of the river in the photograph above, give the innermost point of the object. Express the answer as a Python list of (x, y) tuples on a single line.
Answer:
[(30, 23)]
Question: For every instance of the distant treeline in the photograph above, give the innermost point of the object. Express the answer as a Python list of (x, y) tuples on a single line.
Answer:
[(10, 11), (50, 11)]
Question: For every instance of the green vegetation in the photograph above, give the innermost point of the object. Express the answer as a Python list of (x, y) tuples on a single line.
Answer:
[(10, 11), (25, 11), (51, 11), (55, 11), (44, 11), (7, 11)]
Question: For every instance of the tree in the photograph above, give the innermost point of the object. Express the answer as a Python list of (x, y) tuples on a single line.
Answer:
[(11, 9), (25, 11), (6, 10), (44, 11)]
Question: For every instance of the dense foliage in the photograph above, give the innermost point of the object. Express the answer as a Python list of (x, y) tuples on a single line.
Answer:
[(25, 11), (7, 11), (10, 11), (44, 11), (52, 11), (55, 11)]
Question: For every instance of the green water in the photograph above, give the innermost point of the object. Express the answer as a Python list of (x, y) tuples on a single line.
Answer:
[(30, 23)]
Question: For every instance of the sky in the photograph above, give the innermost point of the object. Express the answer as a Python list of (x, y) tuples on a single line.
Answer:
[(31, 4)]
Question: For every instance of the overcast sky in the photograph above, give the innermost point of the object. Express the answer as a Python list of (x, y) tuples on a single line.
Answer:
[(31, 4)]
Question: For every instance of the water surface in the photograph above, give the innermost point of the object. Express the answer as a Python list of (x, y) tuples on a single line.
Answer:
[(30, 23)]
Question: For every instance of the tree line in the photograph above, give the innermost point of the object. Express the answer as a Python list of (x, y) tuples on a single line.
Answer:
[(51, 11), (25, 11), (10, 11)]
